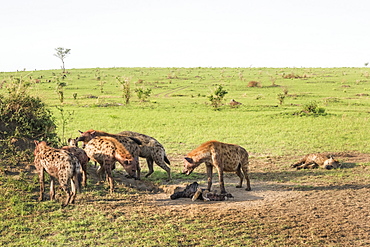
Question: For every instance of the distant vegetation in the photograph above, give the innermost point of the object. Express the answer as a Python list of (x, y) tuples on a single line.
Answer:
[(176, 105)]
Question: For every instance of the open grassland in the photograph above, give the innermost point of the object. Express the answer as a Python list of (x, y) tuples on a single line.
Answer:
[(285, 208)]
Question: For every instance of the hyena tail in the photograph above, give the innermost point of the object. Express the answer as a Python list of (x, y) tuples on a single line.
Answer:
[(78, 176), (136, 140), (166, 160)]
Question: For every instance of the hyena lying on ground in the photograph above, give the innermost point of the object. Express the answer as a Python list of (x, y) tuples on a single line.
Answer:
[(106, 151), (81, 156), (131, 144), (316, 160), (59, 164), (151, 150), (225, 157)]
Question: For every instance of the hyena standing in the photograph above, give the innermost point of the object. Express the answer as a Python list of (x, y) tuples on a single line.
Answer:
[(225, 157), (81, 156), (106, 151), (131, 144), (59, 164), (151, 150)]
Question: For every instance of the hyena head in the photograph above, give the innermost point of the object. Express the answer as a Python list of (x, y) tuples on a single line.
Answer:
[(130, 167), (86, 136), (39, 146), (331, 163), (189, 166), (73, 142)]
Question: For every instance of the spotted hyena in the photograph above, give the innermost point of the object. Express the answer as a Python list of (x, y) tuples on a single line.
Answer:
[(131, 144), (317, 160), (106, 151), (225, 157), (151, 150), (81, 156), (59, 164)]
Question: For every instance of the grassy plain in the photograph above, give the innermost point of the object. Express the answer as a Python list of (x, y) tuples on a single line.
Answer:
[(179, 115)]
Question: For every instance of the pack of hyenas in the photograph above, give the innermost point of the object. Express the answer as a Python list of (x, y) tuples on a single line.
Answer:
[(69, 164)]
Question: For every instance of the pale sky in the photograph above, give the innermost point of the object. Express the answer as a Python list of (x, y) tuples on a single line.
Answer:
[(186, 33)]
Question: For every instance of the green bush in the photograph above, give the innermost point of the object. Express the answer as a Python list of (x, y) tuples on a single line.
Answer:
[(23, 118), (311, 108)]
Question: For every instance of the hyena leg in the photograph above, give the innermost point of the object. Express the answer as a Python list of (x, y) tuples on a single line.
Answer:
[(312, 165), (52, 188), (246, 176), (240, 175), (159, 160), (209, 175), (74, 185), (296, 165), (42, 184), (108, 172), (138, 170), (149, 161), (221, 179), (64, 185), (84, 175), (308, 165), (101, 172)]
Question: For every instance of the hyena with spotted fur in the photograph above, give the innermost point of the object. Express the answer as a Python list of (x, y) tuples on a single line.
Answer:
[(81, 156), (224, 157), (317, 160), (151, 150), (59, 164), (106, 151), (131, 144)]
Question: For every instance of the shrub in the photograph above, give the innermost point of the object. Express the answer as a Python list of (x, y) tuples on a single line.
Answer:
[(217, 97), (311, 108), (143, 94), (23, 119)]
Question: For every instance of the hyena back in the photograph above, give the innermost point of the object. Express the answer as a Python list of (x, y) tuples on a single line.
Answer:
[(59, 164), (151, 150), (130, 144), (106, 151), (225, 157)]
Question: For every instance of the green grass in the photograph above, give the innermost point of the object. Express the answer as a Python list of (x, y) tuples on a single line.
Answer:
[(178, 114)]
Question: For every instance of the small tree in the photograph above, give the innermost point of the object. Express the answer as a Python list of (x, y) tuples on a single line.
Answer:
[(62, 53), (217, 97), (126, 91)]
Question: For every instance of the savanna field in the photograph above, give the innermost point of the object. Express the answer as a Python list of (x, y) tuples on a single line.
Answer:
[(284, 114)]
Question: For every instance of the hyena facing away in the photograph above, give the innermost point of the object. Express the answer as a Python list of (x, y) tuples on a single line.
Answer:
[(106, 151), (225, 157), (81, 156), (130, 144), (316, 160), (151, 150), (59, 164)]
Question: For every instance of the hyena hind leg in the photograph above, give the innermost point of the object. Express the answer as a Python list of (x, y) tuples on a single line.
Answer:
[(240, 175)]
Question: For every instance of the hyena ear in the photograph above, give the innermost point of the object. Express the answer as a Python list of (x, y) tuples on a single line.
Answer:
[(80, 131), (190, 160), (36, 142)]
